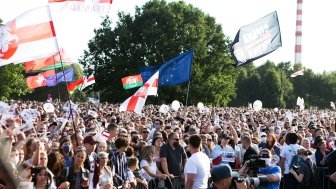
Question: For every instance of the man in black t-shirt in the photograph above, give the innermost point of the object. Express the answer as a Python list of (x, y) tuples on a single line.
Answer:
[(246, 142), (173, 158)]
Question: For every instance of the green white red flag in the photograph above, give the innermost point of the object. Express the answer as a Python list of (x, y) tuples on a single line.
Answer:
[(132, 81)]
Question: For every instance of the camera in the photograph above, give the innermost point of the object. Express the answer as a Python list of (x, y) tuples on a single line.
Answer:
[(255, 163), (250, 181)]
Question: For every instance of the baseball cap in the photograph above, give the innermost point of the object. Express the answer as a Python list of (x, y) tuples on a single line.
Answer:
[(221, 172), (90, 140)]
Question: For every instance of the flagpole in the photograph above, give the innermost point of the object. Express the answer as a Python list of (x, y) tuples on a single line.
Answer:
[(187, 94), (192, 59), (66, 83), (58, 90)]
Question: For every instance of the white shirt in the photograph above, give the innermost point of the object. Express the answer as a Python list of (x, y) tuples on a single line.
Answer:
[(151, 166), (92, 166), (288, 152), (198, 164), (218, 150)]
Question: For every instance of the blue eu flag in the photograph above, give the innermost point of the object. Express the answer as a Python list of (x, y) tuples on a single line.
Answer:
[(58, 78), (173, 72)]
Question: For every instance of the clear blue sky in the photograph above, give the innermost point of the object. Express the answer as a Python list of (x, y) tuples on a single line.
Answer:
[(74, 30)]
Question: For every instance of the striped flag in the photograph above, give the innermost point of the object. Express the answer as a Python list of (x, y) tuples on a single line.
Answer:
[(136, 102), (75, 85), (56, 60), (87, 82), (132, 81), (28, 37), (300, 72)]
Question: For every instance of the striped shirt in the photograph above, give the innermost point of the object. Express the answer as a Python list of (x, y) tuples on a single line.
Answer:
[(119, 165)]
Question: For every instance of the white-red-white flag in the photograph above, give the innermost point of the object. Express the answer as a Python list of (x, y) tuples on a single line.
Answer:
[(29, 37), (300, 72), (96, 6), (88, 81), (136, 102)]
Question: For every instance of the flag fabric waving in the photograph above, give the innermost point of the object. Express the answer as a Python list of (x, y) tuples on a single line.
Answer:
[(175, 71), (132, 81), (300, 72), (300, 103), (88, 81), (136, 102), (39, 80), (256, 40), (75, 85), (96, 6), (28, 37), (68, 76), (54, 61)]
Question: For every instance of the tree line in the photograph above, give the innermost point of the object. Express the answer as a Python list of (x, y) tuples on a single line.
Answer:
[(157, 32)]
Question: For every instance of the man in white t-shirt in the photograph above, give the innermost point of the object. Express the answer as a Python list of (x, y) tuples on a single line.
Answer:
[(287, 154), (197, 168)]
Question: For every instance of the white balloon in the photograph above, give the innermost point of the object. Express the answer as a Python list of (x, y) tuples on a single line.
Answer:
[(164, 108), (175, 105), (200, 105), (276, 109), (257, 105)]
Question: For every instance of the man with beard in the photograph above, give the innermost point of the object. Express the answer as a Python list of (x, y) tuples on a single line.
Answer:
[(173, 158)]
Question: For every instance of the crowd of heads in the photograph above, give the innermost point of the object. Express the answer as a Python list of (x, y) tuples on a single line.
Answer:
[(58, 139)]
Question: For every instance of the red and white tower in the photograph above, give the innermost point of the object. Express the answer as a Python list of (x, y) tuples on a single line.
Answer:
[(298, 33)]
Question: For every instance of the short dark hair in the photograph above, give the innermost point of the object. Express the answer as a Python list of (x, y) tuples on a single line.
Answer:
[(121, 142), (111, 126), (132, 161), (291, 138), (195, 141)]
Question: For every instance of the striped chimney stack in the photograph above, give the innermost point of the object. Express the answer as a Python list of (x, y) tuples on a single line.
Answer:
[(298, 33)]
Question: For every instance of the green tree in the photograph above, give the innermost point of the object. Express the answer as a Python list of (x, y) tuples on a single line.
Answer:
[(13, 83), (157, 32), (248, 86)]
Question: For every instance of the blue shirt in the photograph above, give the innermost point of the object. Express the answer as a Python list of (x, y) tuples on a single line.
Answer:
[(271, 170)]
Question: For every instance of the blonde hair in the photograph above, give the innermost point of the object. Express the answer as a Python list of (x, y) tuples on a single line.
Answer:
[(148, 154)]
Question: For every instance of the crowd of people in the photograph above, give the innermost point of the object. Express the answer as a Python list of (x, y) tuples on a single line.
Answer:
[(82, 145)]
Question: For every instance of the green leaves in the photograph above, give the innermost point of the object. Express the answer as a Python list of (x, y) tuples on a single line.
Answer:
[(13, 83), (157, 32)]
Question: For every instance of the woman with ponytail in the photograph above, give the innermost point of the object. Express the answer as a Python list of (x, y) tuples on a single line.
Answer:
[(305, 174)]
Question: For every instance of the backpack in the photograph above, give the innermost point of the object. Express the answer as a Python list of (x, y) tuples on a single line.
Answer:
[(314, 182), (296, 160)]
